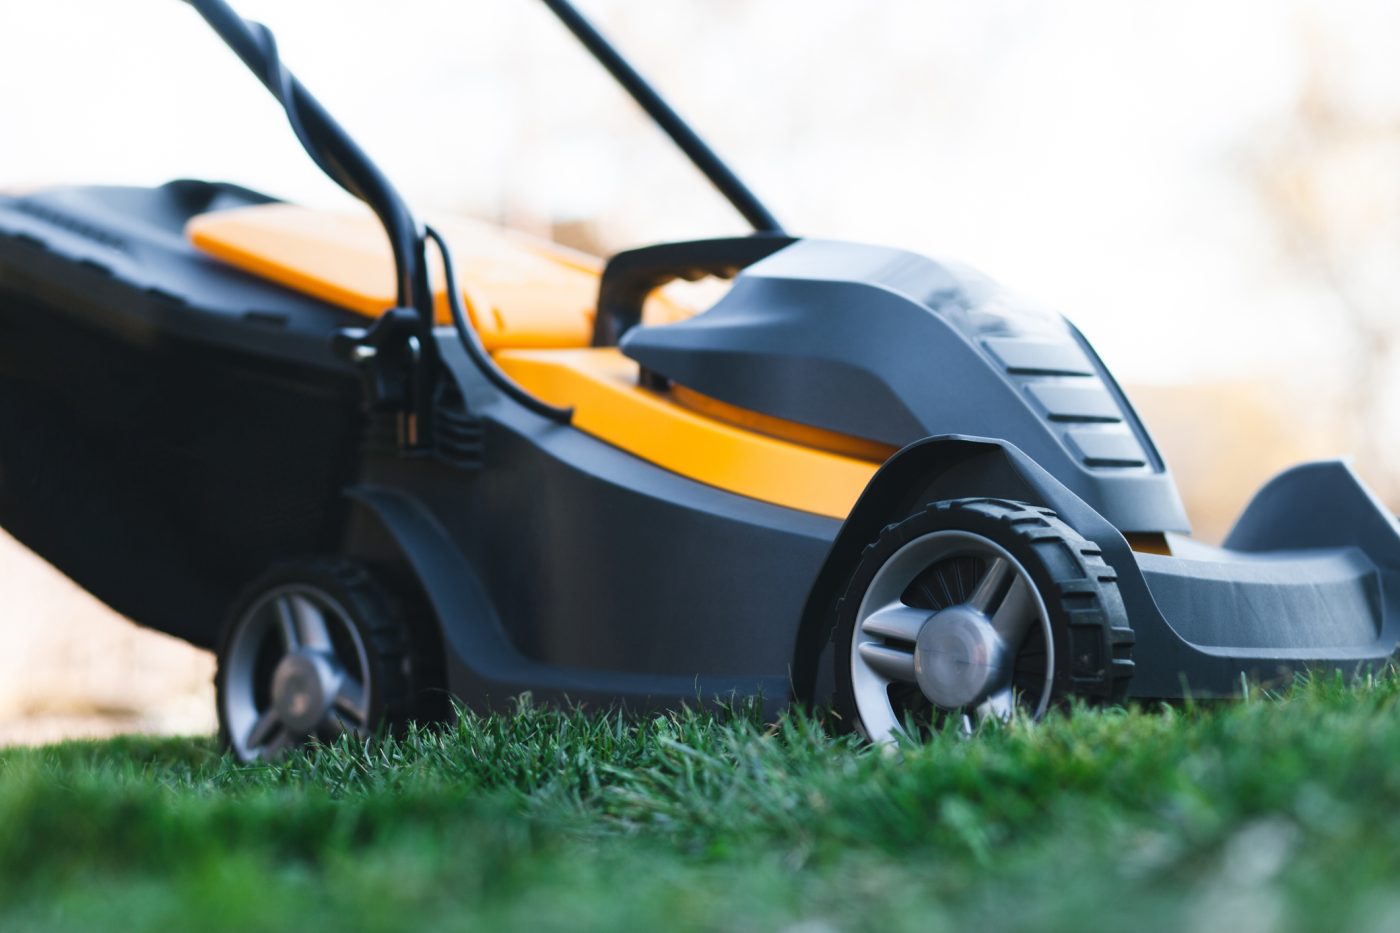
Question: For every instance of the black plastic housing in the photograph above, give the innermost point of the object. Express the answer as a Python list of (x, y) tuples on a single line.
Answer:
[(889, 346), (170, 427)]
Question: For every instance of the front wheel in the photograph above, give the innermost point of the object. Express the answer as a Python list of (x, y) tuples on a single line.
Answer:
[(974, 609), (313, 650)]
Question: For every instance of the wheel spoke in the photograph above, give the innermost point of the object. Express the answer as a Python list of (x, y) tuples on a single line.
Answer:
[(889, 662), (1015, 615), (263, 729), (991, 589), (896, 621), (287, 623), (311, 624), (335, 725), (280, 743), (350, 699)]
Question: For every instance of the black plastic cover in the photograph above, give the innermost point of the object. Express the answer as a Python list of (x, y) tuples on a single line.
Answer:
[(118, 257), (886, 345)]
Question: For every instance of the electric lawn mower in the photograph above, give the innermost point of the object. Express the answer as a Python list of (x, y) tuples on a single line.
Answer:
[(375, 464)]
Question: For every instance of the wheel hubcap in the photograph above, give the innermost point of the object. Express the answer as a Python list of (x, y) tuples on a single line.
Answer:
[(958, 657), (949, 617), (303, 687), (296, 669)]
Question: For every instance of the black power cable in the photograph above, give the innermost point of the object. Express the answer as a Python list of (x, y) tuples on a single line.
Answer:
[(331, 148), (471, 342), (336, 154)]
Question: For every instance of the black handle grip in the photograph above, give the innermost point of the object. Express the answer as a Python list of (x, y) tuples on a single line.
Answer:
[(331, 148), (633, 275)]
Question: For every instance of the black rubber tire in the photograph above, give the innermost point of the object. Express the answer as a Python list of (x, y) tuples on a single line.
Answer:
[(1088, 622), (370, 608)]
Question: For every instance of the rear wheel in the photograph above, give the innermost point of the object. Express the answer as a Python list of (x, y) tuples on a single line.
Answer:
[(313, 650), (975, 609)]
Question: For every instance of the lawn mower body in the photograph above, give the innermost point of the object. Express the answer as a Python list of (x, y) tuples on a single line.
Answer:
[(184, 425), (615, 510)]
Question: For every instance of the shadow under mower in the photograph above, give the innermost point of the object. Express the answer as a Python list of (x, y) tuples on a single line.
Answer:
[(862, 477)]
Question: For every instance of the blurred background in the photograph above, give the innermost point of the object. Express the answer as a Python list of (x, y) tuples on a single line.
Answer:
[(1210, 190)]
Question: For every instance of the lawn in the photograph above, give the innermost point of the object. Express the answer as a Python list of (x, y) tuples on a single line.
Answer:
[(1280, 812)]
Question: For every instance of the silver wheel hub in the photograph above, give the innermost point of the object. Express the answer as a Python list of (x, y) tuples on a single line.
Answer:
[(304, 685), (296, 668), (961, 655), (958, 657)]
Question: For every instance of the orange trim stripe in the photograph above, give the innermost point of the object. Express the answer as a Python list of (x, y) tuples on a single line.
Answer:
[(608, 403), (519, 292), (803, 434)]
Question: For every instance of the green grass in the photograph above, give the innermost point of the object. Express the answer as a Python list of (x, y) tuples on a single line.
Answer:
[(1282, 812)]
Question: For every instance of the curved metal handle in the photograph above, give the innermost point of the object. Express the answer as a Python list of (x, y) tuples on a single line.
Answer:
[(331, 148), (700, 154)]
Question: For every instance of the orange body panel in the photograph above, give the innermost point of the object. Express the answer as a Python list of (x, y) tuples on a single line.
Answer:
[(532, 303), (803, 434), (608, 403), (520, 292)]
